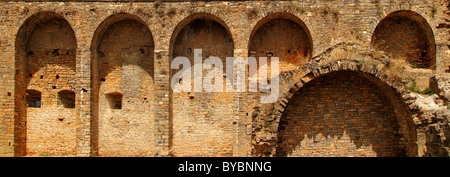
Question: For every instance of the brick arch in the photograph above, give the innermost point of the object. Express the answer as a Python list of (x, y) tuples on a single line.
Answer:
[(339, 65), (45, 47), (420, 36), (281, 15), (122, 51), (285, 36), (195, 16), (293, 14), (312, 71), (391, 9), (186, 21), (105, 26), (208, 113), (29, 20), (183, 18), (110, 20)]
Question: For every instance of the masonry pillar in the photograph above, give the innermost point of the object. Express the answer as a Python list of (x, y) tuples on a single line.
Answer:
[(83, 97), (7, 90), (162, 103), (241, 146)]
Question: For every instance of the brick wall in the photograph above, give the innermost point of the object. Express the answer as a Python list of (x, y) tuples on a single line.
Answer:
[(97, 56)]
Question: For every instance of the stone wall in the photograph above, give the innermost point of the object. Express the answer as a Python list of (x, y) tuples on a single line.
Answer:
[(122, 50)]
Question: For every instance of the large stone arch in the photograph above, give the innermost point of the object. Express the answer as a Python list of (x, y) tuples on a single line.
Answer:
[(45, 60), (266, 118), (201, 122), (341, 110), (123, 94)]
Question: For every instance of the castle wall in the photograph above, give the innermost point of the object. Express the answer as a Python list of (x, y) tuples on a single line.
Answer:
[(152, 118)]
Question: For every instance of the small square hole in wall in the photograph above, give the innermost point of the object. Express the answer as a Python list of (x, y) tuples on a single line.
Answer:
[(66, 99), (114, 100), (33, 98)]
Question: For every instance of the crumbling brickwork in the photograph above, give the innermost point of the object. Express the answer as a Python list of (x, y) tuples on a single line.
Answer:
[(93, 78)]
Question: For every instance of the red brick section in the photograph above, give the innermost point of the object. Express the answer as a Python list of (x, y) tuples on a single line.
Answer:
[(339, 114)]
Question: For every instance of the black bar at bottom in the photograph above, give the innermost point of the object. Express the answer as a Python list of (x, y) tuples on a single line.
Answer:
[(223, 166)]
